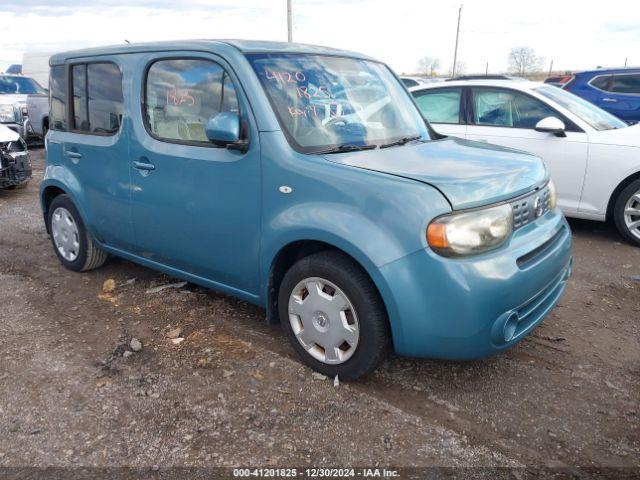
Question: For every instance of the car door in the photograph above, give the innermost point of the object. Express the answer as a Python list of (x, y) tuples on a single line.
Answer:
[(443, 108), (195, 205), (508, 117), (623, 98), (95, 145)]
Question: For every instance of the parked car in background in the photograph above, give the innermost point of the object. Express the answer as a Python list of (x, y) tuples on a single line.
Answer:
[(15, 69), (593, 157), (38, 114), (484, 77), (14, 90), (302, 179), (15, 164), (415, 81), (615, 90)]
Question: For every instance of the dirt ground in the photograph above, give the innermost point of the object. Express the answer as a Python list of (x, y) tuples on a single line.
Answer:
[(233, 393)]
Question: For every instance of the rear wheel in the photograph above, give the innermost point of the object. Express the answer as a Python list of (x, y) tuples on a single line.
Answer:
[(626, 212), (333, 315), (71, 241)]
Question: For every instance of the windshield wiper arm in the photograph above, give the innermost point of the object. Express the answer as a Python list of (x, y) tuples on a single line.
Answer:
[(348, 147), (402, 141)]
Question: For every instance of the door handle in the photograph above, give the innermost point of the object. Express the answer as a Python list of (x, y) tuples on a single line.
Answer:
[(610, 100), (71, 154), (147, 167)]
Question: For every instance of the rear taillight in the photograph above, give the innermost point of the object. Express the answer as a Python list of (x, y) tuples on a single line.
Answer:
[(565, 80)]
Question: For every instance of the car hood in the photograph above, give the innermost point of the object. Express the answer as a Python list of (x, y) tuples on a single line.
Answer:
[(629, 136), (12, 98), (8, 135), (470, 174)]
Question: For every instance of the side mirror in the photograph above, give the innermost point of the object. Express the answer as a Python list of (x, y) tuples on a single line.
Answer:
[(223, 129), (551, 125)]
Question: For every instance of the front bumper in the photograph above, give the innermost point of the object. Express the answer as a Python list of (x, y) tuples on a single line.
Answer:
[(15, 169), (470, 308)]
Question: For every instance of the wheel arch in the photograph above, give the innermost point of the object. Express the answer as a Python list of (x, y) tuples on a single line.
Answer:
[(53, 188), (616, 193), (46, 197), (294, 251)]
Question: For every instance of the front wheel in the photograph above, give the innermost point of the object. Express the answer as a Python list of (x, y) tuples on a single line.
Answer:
[(626, 213), (333, 315), (71, 241)]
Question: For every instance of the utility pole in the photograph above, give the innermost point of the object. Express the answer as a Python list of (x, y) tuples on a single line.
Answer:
[(550, 68), (455, 52), (486, 70), (289, 22), (625, 61)]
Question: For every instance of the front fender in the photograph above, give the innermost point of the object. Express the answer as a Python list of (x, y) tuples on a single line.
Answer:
[(341, 226), (357, 236)]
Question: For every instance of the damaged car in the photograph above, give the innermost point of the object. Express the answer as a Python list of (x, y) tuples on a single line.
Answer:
[(14, 91), (15, 164)]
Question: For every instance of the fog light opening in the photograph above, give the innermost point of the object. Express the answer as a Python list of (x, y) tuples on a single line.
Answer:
[(510, 327)]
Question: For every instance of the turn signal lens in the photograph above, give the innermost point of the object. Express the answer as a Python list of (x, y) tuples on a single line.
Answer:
[(472, 232)]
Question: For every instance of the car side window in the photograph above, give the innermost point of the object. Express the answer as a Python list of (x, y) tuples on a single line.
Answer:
[(98, 101), (602, 82), (58, 97), (508, 108), (182, 95), (441, 105), (80, 119), (105, 98), (626, 84)]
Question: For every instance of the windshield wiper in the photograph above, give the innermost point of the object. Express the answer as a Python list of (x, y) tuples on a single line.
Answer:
[(348, 147), (402, 141)]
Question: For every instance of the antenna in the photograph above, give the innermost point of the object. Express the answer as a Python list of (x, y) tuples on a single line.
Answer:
[(289, 22), (455, 52)]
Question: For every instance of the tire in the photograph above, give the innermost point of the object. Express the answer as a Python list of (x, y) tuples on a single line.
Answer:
[(83, 256), (629, 199), (365, 313)]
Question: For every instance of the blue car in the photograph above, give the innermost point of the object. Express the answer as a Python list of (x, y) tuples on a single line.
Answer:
[(615, 90), (304, 180)]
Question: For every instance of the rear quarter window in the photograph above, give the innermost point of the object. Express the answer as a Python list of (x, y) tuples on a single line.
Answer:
[(58, 97), (602, 82)]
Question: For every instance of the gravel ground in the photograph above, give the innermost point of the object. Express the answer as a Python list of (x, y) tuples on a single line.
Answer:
[(233, 393)]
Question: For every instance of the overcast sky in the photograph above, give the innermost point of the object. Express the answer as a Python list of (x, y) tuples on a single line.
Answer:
[(575, 34)]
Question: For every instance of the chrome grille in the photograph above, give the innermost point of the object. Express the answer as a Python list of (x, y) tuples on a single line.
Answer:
[(530, 207)]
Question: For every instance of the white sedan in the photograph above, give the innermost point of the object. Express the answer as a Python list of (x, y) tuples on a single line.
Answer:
[(593, 157)]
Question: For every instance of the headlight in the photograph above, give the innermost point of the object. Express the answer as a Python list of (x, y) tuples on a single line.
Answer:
[(553, 195), (7, 114), (471, 232)]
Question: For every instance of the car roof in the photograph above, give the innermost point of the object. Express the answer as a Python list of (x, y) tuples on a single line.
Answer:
[(244, 46), (605, 71), (518, 85)]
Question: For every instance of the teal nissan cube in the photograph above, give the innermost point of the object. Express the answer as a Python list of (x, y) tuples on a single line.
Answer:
[(304, 180)]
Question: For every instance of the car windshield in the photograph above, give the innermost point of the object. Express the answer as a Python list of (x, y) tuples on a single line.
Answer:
[(20, 85), (326, 102), (587, 112)]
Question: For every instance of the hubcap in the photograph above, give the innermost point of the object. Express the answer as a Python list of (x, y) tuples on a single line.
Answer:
[(323, 320), (65, 234), (632, 214)]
